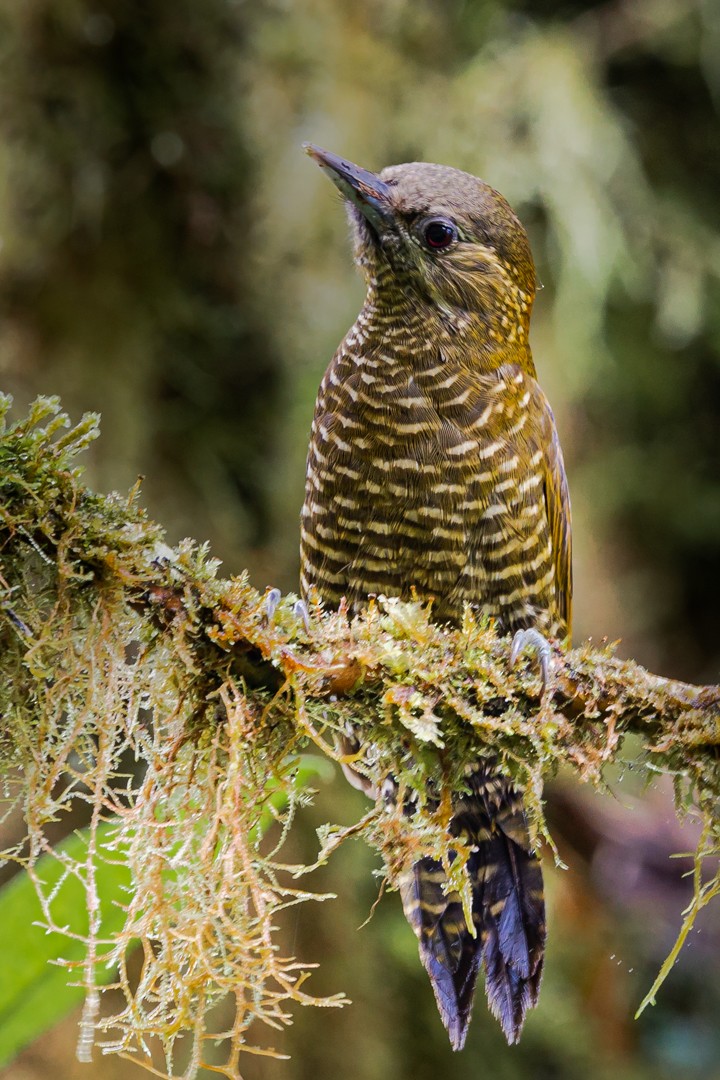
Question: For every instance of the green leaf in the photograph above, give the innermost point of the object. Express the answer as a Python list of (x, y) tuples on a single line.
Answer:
[(34, 992)]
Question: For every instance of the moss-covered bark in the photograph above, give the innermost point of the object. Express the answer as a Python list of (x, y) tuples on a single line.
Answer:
[(174, 703)]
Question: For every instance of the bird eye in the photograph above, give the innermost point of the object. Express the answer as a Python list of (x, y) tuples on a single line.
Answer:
[(439, 233)]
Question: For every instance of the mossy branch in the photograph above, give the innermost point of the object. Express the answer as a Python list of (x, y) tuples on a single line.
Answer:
[(175, 702)]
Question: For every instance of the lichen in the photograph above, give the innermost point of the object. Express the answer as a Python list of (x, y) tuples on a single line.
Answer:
[(173, 704)]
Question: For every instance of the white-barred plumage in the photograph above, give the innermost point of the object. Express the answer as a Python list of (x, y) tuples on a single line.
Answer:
[(434, 467)]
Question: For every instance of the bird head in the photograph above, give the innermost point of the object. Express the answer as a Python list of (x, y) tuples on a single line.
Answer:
[(442, 236)]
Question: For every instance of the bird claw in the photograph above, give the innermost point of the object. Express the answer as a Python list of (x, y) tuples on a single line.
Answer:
[(349, 746), (271, 602), (533, 639), (300, 611)]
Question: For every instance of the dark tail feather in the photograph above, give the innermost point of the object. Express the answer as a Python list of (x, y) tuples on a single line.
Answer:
[(450, 955), (513, 911), (508, 912)]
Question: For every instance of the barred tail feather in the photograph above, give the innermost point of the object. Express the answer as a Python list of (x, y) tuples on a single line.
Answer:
[(449, 953), (513, 912), (508, 912)]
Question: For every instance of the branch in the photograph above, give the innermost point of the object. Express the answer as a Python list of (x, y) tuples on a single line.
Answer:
[(117, 647)]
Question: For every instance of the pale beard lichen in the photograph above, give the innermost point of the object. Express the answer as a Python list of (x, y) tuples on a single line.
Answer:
[(141, 690)]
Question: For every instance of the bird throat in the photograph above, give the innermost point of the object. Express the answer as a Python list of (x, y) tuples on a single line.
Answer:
[(401, 323)]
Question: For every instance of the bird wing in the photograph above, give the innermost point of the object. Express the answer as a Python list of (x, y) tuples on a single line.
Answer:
[(516, 506), (557, 503)]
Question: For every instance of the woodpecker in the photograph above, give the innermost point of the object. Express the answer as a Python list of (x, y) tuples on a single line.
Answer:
[(435, 469)]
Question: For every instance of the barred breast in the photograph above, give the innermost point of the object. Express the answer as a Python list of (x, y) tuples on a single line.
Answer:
[(434, 476)]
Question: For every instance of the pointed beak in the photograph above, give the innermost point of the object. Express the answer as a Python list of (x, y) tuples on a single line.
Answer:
[(362, 188)]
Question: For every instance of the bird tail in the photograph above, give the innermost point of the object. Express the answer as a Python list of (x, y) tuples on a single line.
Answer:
[(508, 911)]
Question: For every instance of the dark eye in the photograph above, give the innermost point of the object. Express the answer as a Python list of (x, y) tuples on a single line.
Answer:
[(439, 233)]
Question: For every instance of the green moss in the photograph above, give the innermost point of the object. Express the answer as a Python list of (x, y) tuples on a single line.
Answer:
[(140, 685)]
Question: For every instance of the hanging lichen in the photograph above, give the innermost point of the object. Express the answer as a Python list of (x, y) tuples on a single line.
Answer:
[(172, 706)]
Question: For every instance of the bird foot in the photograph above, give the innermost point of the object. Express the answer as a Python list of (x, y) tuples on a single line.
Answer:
[(301, 612), (271, 602), (299, 609), (349, 746), (533, 639)]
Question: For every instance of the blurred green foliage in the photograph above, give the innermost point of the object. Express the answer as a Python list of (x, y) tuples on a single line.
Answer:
[(34, 990), (170, 258)]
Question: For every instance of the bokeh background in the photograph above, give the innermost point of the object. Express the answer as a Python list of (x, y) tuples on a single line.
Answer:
[(170, 257)]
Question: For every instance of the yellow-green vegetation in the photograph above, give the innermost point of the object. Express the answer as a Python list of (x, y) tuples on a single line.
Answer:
[(166, 709)]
